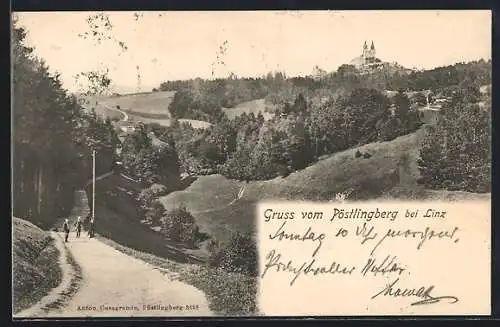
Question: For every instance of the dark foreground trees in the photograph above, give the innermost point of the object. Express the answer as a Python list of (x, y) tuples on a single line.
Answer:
[(51, 138)]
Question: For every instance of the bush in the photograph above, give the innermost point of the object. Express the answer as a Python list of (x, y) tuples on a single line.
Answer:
[(154, 213), (229, 293), (358, 154), (419, 99), (238, 255), (180, 226), (148, 195)]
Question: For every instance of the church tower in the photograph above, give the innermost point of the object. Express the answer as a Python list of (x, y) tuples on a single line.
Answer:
[(365, 50), (372, 51), (368, 57)]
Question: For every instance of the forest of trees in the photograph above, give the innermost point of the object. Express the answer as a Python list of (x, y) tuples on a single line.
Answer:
[(250, 148), (456, 153), (203, 99), (52, 139), (315, 116)]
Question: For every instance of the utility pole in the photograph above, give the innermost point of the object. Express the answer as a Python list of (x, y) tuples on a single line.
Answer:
[(93, 184)]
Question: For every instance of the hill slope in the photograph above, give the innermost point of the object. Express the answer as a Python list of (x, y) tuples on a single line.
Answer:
[(35, 264), (148, 103), (391, 172), (143, 107)]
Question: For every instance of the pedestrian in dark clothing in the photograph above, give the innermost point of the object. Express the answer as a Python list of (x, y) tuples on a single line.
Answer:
[(66, 230), (91, 228), (86, 222), (78, 226)]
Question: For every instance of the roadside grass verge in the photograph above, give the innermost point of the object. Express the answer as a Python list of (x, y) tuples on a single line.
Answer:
[(229, 294), (73, 287)]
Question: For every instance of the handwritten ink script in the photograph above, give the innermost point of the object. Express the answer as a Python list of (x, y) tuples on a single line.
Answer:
[(374, 258)]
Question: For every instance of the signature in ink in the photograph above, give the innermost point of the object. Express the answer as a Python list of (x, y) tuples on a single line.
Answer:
[(423, 292)]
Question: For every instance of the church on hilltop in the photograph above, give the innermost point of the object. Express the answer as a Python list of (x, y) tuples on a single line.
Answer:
[(367, 59), (366, 63)]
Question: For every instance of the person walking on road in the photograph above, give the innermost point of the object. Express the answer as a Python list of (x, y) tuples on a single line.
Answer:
[(91, 228), (66, 230), (78, 226)]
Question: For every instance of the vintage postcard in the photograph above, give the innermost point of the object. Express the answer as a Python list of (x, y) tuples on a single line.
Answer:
[(267, 163)]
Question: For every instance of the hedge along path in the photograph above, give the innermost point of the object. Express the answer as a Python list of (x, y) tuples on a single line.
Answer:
[(60, 294), (113, 281)]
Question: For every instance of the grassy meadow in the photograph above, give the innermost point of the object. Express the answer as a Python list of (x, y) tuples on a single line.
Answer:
[(146, 103)]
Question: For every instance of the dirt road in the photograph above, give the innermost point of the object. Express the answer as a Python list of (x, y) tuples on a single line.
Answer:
[(111, 279)]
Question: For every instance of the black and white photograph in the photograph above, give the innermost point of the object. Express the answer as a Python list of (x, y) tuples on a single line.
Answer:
[(143, 142)]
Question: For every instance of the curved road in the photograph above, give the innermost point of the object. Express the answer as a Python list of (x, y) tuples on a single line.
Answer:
[(112, 280), (125, 116)]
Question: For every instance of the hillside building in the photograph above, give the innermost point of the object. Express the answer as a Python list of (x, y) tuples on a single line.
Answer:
[(318, 73), (367, 59)]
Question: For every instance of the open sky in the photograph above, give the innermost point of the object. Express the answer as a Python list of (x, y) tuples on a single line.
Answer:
[(180, 45)]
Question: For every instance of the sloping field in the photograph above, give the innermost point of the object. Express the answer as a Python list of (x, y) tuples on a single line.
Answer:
[(254, 106), (35, 264), (166, 122), (106, 112), (208, 200), (390, 172), (148, 103), (143, 107)]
